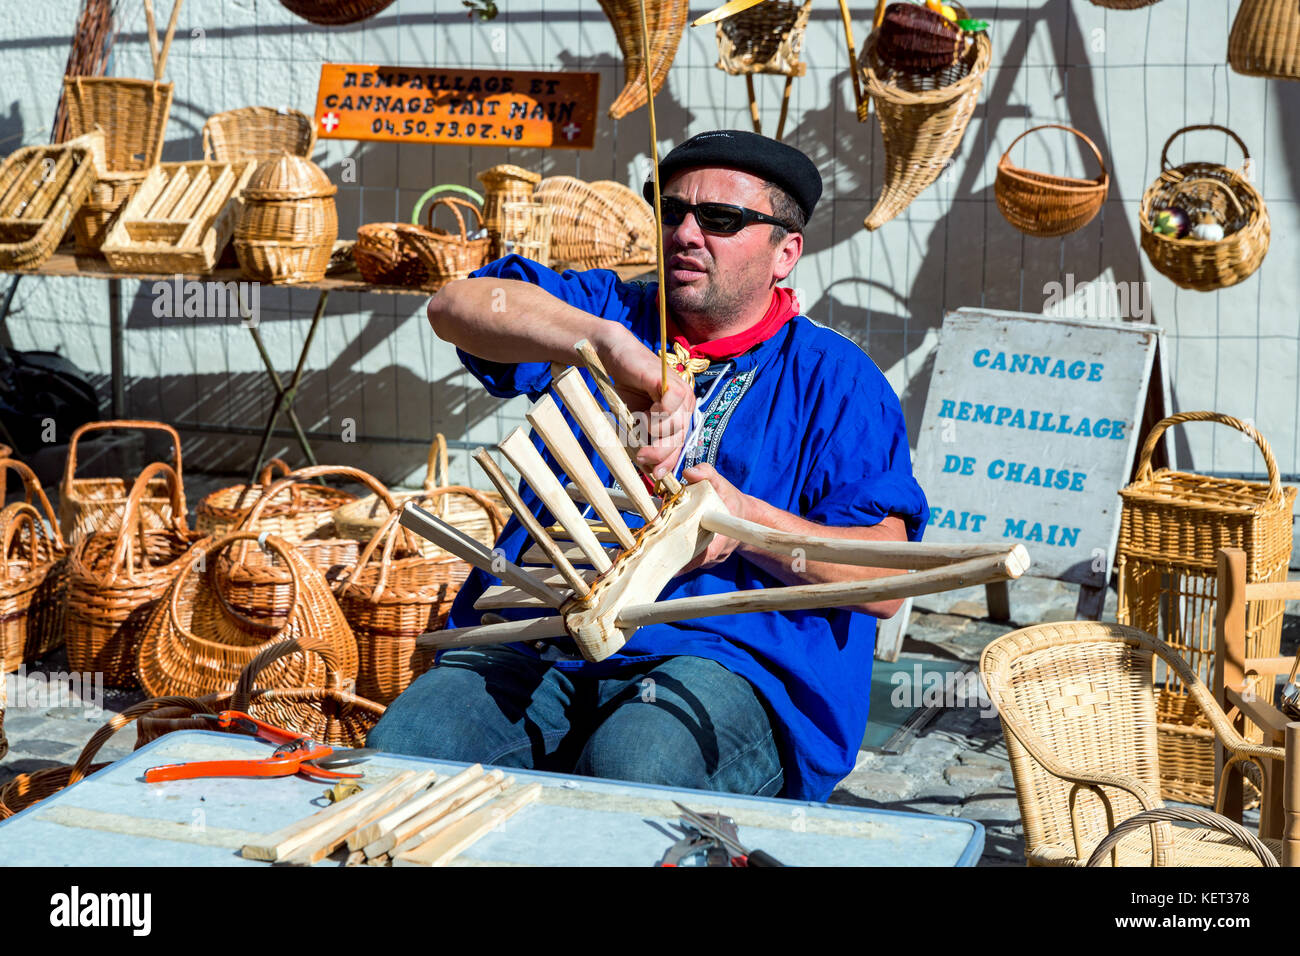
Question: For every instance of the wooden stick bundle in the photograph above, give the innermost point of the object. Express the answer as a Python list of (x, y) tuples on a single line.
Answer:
[(455, 839)]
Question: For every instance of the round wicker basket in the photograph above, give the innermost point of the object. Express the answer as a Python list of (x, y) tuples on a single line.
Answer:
[(334, 13), (449, 256), (307, 510), (287, 229), (1044, 204)]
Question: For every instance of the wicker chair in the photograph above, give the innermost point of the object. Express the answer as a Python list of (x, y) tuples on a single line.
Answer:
[(1078, 710)]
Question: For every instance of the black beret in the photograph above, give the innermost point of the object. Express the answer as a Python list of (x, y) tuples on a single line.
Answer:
[(766, 158)]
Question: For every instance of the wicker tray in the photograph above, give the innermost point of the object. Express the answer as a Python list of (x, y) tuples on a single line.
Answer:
[(179, 219), (41, 189)]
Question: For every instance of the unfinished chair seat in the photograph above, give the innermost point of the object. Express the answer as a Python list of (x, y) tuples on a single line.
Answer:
[(1191, 847)]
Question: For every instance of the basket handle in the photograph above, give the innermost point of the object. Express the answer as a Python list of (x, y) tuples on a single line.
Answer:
[(1149, 446), (71, 466), (435, 190), (453, 203), (246, 685), (437, 469), (1206, 818), (33, 493), (118, 721), (132, 520), (1069, 129), (1164, 153), (21, 514), (1168, 176)]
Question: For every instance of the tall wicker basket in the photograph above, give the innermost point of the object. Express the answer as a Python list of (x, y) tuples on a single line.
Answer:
[(503, 184), (1265, 39), (289, 223), (1171, 525)]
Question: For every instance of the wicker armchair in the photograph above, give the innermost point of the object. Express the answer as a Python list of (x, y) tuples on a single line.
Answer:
[(1077, 705)]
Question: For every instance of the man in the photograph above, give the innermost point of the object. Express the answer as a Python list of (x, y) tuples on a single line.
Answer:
[(793, 426)]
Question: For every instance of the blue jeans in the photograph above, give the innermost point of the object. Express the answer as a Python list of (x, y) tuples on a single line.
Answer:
[(678, 722)]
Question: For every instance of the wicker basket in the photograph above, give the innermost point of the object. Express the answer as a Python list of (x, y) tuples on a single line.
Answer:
[(384, 251), (764, 39), (257, 133), (1265, 39), (333, 13), (922, 119), (667, 21), (915, 39), (594, 227), (450, 256), (476, 513), (1224, 194), (96, 504), (41, 189), (33, 574), (637, 218), (526, 231), (505, 184), (1171, 525), (1043, 204), (328, 714), (133, 115), (27, 789), (1123, 4), (308, 510), (287, 229), (194, 643), (114, 577)]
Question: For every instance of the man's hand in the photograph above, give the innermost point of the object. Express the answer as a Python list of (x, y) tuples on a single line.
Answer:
[(663, 422), (721, 547)]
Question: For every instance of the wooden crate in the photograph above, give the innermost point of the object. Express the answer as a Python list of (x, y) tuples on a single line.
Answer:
[(41, 188), (180, 218)]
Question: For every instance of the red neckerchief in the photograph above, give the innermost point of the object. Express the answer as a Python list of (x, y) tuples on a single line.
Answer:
[(783, 308)]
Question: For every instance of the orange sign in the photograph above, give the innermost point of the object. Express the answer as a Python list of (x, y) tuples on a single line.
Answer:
[(401, 104)]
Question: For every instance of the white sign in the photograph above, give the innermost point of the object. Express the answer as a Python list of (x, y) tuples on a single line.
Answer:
[(1029, 434)]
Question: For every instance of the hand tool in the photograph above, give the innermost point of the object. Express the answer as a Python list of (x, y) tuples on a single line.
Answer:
[(744, 857)]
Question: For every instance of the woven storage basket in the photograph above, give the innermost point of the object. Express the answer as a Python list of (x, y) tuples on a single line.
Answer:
[(591, 228), (1043, 204), (450, 256), (33, 574), (114, 577), (258, 133), (307, 510), (764, 39), (194, 644), (287, 229), (96, 504), (1232, 201), (1265, 39), (27, 789), (526, 231), (476, 513), (638, 221), (41, 189), (505, 184), (922, 118), (328, 714), (385, 253), (333, 13), (133, 115), (667, 21), (1171, 525), (915, 39)]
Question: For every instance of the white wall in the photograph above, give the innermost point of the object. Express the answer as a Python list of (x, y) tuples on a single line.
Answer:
[(1127, 78)]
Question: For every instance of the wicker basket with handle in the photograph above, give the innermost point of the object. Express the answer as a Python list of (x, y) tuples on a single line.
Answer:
[(33, 574), (289, 222), (1265, 39), (194, 643), (1171, 525), (96, 504), (1044, 204), (385, 254), (257, 133), (334, 13), (450, 256), (307, 510), (1225, 195), (115, 576)]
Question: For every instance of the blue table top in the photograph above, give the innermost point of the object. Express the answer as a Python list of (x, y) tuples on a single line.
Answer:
[(113, 818)]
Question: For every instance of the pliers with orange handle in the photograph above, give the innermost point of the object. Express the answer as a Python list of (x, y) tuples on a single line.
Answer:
[(294, 754)]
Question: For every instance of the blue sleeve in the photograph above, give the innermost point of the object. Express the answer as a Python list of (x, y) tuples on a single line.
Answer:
[(863, 473), (597, 291)]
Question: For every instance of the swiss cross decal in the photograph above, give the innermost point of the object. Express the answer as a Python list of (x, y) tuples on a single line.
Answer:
[(570, 130), (329, 121)]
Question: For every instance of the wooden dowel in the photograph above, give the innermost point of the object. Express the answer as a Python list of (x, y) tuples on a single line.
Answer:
[(446, 846), (496, 784), (1291, 798), (582, 406), (533, 629), (409, 834), (606, 537), (322, 845), (167, 41), (785, 106), (386, 825), (621, 501), (530, 523), (548, 421), (753, 104), (467, 549), (840, 594), (535, 555), (530, 464), (151, 27), (862, 103)]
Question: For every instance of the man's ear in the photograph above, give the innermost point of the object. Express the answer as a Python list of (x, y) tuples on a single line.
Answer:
[(787, 254)]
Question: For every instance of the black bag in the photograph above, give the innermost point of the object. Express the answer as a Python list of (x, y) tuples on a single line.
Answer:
[(37, 388)]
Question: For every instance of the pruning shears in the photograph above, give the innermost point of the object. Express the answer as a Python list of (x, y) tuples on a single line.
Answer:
[(294, 754)]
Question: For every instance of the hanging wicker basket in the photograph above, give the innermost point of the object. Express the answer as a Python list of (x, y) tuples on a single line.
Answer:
[(1171, 526), (667, 21), (764, 39), (33, 574), (915, 39), (287, 229), (1214, 190), (257, 133), (306, 511), (87, 505), (1044, 204), (1123, 4), (450, 256), (922, 119), (384, 251), (335, 13), (1265, 39)]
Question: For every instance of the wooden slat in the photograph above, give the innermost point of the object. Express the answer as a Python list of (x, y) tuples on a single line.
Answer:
[(174, 189), (621, 500), (455, 839), (1273, 591), (535, 555), (602, 532)]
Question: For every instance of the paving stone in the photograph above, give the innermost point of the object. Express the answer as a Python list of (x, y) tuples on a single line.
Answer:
[(41, 747), (18, 727), (970, 609), (939, 750), (971, 778), (877, 785), (991, 808), (973, 758)]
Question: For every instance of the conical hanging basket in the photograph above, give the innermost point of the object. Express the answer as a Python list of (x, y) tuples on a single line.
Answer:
[(667, 20), (1265, 39), (922, 119)]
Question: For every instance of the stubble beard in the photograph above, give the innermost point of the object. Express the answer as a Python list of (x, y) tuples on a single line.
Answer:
[(709, 305)]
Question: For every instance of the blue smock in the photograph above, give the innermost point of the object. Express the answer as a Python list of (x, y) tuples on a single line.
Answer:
[(806, 422)]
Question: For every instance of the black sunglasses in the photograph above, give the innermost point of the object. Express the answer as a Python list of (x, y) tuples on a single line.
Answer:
[(715, 216)]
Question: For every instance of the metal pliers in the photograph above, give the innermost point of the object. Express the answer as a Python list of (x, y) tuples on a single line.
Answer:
[(294, 754)]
